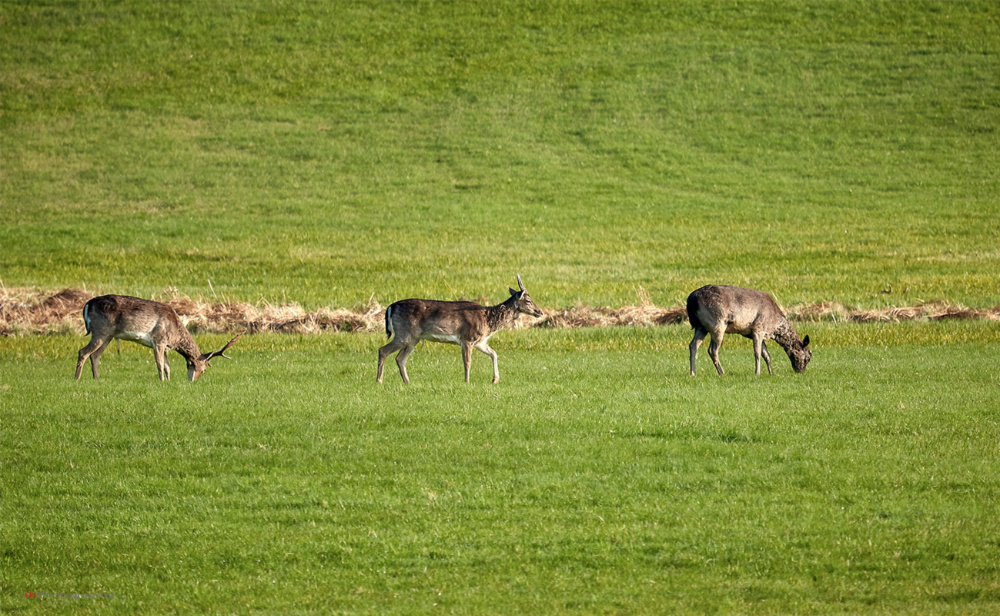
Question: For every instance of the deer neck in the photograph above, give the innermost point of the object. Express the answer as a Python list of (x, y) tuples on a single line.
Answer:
[(186, 346), (501, 315), (786, 336)]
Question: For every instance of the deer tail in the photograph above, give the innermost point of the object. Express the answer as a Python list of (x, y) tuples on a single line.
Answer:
[(692, 310), (86, 316), (388, 322)]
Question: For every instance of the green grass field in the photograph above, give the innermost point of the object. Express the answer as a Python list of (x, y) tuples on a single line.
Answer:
[(597, 481), (329, 153)]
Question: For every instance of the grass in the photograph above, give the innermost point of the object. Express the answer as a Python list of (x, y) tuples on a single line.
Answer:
[(326, 153), (601, 481)]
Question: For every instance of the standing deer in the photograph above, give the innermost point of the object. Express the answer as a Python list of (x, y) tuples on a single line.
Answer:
[(722, 309), (464, 323), (149, 323)]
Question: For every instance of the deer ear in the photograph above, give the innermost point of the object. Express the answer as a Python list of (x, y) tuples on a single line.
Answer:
[(513, 293), (805, 341)]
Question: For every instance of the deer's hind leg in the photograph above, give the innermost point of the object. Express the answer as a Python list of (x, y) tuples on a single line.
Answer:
[(699, 337), (93, 350), (713, 349), (384, 352), (82, 356), (396, 344), (95, 359), (401, 359)]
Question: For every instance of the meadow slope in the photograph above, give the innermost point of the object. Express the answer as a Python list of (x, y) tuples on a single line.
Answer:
[(327, 153)]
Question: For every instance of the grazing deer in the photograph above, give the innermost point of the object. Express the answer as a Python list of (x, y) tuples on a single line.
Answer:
[(721, 309), (464, 323), (146, 322)]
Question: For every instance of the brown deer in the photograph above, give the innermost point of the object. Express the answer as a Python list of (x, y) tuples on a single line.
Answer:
[(464, 323), (722, 309), (149, 323)]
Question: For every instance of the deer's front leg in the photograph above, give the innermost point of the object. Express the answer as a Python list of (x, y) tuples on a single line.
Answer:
[(467, 358), (485, 348), (758, 345), (160, 355)]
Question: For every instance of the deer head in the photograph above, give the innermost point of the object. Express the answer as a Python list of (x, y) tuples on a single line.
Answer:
[(523, 302), (197, 365), (800, 354)]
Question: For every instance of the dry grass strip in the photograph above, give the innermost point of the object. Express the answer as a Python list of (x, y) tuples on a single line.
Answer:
[(26, 312), (933, 311)]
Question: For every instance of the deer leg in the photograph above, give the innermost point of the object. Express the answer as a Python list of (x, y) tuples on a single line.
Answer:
[(79, 364), (401, 361), (758, 345), (467, 358), (699, 337), (385, 352), (86, 352), (485, 348), (713, 350), (93, 350), (767, 356), (95, 359), (159, 354)]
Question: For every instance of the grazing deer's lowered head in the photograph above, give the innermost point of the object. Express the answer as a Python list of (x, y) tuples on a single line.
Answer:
[(149, 323), (464, 323), (721, 309)]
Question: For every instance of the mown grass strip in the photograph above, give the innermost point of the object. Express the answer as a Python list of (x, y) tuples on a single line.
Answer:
[(584, 481)]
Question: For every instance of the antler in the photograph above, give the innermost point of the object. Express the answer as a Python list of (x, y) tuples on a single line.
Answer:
[(519, 283), (222, 353)]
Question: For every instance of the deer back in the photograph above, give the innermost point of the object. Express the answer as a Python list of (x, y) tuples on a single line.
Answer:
[(737, 309), (139, 320), (440, 321)]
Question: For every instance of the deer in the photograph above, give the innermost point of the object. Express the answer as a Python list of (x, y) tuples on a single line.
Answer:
[(722, 309), (464, 323), (146, 322)]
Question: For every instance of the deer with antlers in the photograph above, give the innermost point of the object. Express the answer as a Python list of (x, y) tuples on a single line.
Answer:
[(143, 321), (464, 323)]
